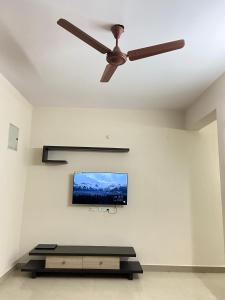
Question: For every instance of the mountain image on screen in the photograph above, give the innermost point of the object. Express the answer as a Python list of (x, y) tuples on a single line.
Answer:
[(100, 188)]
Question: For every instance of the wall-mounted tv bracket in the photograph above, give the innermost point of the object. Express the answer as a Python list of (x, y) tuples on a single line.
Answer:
[(46, 149)]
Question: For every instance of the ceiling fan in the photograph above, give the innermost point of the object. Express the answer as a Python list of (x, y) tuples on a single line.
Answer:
[(116, 57)]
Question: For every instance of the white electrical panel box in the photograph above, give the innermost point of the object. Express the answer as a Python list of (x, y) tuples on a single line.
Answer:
[(13, 137)]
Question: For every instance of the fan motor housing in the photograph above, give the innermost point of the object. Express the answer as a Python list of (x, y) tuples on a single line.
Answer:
[(116, 57)]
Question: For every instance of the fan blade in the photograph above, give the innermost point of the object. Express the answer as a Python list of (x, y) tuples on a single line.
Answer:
[(83, 36), (155, 50), (108, 72)]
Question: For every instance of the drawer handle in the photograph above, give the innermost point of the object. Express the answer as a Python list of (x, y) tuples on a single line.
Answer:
[(63, 262), (100, 263)]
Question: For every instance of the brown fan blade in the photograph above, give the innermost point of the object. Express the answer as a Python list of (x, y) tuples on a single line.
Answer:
[(83, 36), (155, 50), (108, 72)]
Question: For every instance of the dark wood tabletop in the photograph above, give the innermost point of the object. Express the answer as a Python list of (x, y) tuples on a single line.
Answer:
[(86, 251)]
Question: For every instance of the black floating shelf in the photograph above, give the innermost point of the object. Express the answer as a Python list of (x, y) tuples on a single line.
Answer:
[(46, 149)]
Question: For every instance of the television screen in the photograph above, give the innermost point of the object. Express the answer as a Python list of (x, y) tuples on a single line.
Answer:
[(100, 188)]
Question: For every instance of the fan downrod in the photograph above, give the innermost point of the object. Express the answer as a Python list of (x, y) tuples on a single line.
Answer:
[(116, 57)]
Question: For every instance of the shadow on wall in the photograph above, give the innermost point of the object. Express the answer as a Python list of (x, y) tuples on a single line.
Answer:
[(17, 65), (36, 160), (36, 157), (215, 284), (69, 196), (13, 53), (13, 57)]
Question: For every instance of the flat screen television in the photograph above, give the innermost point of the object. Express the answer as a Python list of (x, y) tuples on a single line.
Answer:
[(100, 188)]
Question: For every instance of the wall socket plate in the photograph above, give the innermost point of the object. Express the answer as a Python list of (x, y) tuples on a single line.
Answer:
[(110, 210)]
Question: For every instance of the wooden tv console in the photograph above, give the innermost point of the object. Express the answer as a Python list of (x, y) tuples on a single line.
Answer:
[(81, 260)]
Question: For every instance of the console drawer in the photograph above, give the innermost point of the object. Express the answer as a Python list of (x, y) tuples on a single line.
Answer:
[(63, 262), (101, 262)]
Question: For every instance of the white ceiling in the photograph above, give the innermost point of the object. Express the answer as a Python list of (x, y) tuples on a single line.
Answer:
[(49, 66)]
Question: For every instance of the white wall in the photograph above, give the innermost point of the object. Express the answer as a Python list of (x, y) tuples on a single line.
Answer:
[(158, 220), (13, 170), (174, 210), (213, 99), (206, 206)]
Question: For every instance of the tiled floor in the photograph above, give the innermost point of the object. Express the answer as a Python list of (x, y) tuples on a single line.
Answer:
[(151, 286)]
